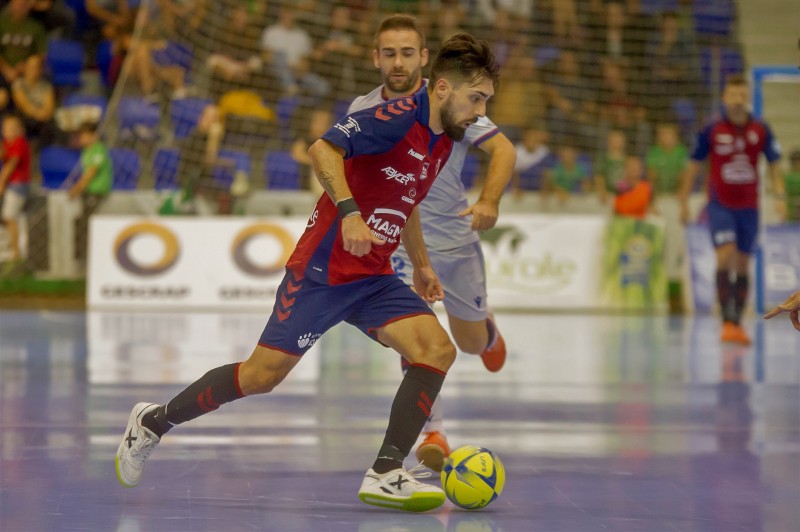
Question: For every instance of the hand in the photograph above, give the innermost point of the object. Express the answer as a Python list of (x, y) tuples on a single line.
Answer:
[(484, 214), (792, 306), (684, 213), (357, 237), (427, 285)]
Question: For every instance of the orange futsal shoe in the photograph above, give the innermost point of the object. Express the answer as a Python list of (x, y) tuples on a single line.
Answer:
[(433, 450), (734, 333), (494, 356)]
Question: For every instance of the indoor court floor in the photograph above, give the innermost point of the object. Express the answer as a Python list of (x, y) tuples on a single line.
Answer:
[(604, 423)]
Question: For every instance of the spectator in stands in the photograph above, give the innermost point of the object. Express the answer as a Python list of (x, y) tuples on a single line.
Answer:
[(517, 11), (616, 37), (792, 185), (335, 56), (94, 183), (287, 49), (674, 69), (448, 20), (568, 176), (519, 101), (199, 162), (236, 59), (610, 166), (633, 194), (619, 109), (111, 15), (56, 17), (317, 122), (666, 160), (182, 17), (571, 102), (35, 100), (20, 38), (534, 158), (567, 30), (15, 180)]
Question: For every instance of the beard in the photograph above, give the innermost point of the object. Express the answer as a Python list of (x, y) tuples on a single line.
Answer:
[(451, 128), (402, 87)]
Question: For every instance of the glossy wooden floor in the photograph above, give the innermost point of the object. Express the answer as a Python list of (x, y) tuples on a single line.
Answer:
[(603, 423)]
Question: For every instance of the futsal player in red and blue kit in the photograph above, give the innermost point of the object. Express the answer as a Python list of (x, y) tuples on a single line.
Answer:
[(733, 143), (376, 166)]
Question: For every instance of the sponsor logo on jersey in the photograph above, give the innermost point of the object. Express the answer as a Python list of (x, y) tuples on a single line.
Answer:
[(723, 138), (308, 340), (415, 155), (412, 193), (424, 174), (400, 177), (752, 137), (312, 221), (382, 227), (438, 164), (351, 124)]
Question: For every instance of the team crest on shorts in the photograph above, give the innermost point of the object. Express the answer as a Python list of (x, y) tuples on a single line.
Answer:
[(308, 340)]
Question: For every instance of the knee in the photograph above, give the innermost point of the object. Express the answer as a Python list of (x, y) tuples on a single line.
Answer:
[(255, 378), (439, 354)]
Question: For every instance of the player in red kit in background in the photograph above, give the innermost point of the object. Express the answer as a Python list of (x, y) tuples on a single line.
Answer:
[(733, 143)]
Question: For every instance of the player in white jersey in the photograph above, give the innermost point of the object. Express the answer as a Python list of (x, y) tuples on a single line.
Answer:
[(450, 235)]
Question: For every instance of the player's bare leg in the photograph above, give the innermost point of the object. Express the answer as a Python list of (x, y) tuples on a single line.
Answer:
[(424, 343), (480, 337), (265, 369)]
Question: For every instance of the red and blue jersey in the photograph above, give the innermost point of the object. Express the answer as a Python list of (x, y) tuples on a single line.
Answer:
[(733, 151), (391, 160)]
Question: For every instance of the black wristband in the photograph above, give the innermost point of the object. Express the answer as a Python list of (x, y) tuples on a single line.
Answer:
[(347, 207)]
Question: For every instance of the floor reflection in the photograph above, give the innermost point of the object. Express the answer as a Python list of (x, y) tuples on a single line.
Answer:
[(603, 422)]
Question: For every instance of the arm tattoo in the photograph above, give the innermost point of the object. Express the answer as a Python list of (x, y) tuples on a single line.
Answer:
[(326, 180)]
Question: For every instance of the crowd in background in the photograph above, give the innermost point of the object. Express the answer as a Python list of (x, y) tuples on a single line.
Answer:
[(599, 96)]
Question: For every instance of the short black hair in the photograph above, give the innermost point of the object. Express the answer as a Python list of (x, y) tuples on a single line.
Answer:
[(466, 57), (736, 80), (88, 127)]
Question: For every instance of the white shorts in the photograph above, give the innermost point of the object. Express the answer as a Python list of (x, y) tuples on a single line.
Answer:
[(463, 276), (13, 202)]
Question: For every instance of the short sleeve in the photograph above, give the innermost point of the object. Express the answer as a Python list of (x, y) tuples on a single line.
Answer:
[(481, 131), (702, 145), (771, 147), (368, 132)]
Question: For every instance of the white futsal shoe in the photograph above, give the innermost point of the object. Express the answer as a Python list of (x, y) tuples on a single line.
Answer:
[(137, 444), (401, 490)]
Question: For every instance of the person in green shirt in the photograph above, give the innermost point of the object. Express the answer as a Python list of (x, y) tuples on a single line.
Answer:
[(610, 166), (666, 161), (94, 183), (568, 176), (792, 185)]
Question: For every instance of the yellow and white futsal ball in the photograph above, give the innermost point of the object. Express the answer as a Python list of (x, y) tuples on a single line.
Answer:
[(473, 477)]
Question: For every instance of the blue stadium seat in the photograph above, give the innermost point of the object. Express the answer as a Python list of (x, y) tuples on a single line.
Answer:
[(56, 164), (340, 108), (730, 62), (165, 169), (103, 58), (285, 109), (65, 60), (469, 172), (545, 54), (283, 172), (134, 113), (127, 168), (656, 7), (83, 21), (174, 54), (228, 163), (86, 99), (685, 114), (713, 18), (184, 115)]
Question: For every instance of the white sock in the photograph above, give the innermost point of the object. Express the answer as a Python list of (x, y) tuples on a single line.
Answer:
[(434, 423)]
